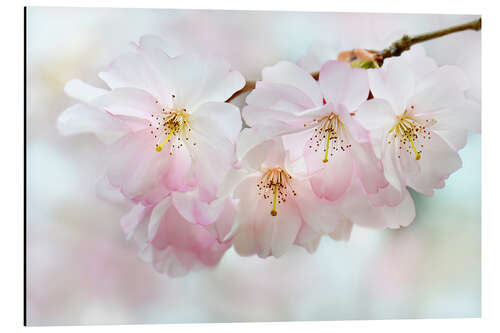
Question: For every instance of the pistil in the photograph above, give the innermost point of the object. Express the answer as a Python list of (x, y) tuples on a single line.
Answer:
[(171, 121), (273, 211), (409, 133), (331, 129), (160, 147), (275, 182), (327, 147), (417, 153)]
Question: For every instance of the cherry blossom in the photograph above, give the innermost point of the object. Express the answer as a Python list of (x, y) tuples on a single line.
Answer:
[(180, 232), (323, 155), (269, 214), (316, 121), (165, 117), (276, 206), (354, 209), (418, 120)]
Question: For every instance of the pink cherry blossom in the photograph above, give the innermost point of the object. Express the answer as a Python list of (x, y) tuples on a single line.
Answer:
[(319, 159), (316, 121), (276, 206), (269, 215), (418, 120), (165, 117), (180, 232), (353, 209)]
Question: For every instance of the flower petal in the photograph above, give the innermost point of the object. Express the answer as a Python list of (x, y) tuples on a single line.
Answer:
[(432, 174), (108, 192), (130, 102), (419, 62), (259, 232), (195, 211), (456, 138), (197, 80), (82, 118), (134, 164), (377, 116), (308, 238), (392, 169), (132, 70), (376, 113), (210, 163), (82, 91), (440, 89), (151, 42), (286, 226), (319, 214), (335, 176), (342, 84), (256, 141), (394, 82), (367, 167), (402, 214), (131, 220), (181, 246), (157, 216), (387, 196), (318, 54), (217, 120), (343, 230), (285, 72), (244, 241), (179, 174), (361, 212), (247, 195), (466, 116), (224, 223), (275, 234), (278, 98)]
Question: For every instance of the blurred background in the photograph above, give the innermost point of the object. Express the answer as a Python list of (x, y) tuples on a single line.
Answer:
[(80, 268)]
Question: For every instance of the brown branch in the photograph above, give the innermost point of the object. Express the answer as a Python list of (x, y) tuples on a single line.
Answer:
[(406, 42), (395, 50)]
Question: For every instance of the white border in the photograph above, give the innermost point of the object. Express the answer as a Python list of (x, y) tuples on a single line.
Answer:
[(11, 92)]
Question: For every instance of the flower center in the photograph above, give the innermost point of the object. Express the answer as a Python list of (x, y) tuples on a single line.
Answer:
[(275, 183), (169, 123), (410, 133), (331, 133)]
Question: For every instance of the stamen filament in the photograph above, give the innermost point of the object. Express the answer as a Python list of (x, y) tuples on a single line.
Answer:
[(160, 147), (327, 146), (273, 211), (417, 154)]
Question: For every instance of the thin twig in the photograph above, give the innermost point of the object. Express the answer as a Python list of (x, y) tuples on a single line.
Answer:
[(406, 42), (395, 50)]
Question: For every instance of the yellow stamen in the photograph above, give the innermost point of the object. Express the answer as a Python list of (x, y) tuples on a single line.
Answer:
[(417, 154), (160, 147), (327, 146), (273, 211)]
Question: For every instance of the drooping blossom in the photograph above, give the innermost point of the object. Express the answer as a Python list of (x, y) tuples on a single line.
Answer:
[(418, 120), (166, 119), (317, 121), (276, 206), (180, 232), (354, 209)]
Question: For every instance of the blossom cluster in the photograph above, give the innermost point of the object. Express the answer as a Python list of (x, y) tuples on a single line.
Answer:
[(304, 158)]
